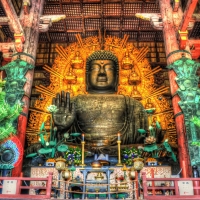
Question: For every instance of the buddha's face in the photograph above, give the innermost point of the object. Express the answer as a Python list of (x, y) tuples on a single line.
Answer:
[(102, 76)]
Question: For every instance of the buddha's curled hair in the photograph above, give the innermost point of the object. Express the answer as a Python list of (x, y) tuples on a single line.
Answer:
[(102, 55)]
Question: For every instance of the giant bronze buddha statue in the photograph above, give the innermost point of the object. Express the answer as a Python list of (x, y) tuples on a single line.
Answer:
[(101, 113)]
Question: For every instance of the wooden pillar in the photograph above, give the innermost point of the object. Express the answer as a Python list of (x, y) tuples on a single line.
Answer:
[(30, 25), (173, 53)]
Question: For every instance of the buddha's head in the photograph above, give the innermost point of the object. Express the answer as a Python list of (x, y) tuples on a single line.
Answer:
[(102, 71)]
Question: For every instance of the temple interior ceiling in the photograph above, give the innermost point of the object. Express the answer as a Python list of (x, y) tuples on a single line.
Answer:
[(89, 17)]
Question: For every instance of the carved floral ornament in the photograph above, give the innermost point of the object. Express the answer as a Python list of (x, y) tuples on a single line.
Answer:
[(63, 69)]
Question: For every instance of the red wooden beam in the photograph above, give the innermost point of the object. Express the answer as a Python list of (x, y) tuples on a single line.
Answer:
[(188, 14), (194, 48), (172, 53), (12, 16), (14, 24)]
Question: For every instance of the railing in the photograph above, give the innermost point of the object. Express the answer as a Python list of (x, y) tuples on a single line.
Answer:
[(20, 187), (173, 190), (115, 189)]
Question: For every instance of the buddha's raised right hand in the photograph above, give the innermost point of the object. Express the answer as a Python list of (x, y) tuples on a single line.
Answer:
[(65, 115)]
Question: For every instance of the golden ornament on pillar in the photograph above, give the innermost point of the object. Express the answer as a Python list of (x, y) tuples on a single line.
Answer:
[(77, 61), (66, 174), (132, 173), (127, 62), (60, 164), (138, 163), (124, 168)]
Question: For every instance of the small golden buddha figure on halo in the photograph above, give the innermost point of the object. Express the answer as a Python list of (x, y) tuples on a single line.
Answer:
[(135, 93), (134, 78), (77, 61), (149, 104), (48, 122), (70, 78), (127, 62)]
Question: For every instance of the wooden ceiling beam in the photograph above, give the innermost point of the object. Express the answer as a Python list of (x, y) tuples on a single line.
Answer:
[(191, 5), (109, 29), (64, 21), (138, 34), (14, 23), (82, 17), (12, 17), (4, 21)]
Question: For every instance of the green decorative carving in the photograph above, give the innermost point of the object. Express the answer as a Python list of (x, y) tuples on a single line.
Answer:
[(7, 114), (189, 92), (15, 80)]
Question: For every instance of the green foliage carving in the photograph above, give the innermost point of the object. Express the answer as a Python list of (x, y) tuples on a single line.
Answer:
[(196, 121), (189, 93), (10, 98), (15, 80), (7, 114)]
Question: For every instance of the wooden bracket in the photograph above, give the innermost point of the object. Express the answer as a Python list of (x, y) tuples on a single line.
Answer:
[(183, 38), (19, 40)]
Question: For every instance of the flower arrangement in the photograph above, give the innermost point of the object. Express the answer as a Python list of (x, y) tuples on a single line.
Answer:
[(129, 153), (73, 155)]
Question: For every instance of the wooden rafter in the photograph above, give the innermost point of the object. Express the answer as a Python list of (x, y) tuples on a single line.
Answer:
[(191, 4), (64, 21), (12, 16)]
